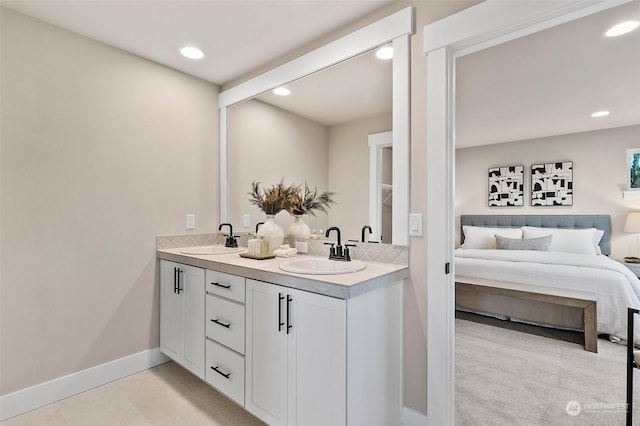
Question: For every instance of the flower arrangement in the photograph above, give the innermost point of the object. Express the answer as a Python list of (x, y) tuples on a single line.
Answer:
[(291, 198), (274, 199), (309, 201)]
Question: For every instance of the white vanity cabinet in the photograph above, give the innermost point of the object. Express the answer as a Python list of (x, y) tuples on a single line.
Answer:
[(294, 351), (182, 315), (296, 356)]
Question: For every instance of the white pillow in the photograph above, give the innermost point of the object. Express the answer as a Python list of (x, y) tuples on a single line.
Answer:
[(478, 237), (579, 241), (596, 240)]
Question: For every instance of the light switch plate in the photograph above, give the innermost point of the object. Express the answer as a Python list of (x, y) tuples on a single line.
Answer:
[(246, 220), (415, 225), (191, 221)]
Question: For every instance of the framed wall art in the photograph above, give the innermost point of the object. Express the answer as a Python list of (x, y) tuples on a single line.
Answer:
[(633, 169), (506, 186), (552, 184)]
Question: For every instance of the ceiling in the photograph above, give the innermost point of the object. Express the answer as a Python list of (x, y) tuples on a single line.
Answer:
[(541, 85), (550, 82), (237, 36)]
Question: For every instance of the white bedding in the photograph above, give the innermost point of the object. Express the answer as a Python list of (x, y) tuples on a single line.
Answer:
[(614, 286)]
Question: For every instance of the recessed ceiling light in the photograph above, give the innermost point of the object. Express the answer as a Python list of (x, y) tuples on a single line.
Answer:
[(192, 52), (600, 114), (622, 28), (282, 91), (385, 52)]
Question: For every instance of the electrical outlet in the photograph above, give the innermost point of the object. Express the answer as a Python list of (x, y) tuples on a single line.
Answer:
[(191, 222), (246, 220)]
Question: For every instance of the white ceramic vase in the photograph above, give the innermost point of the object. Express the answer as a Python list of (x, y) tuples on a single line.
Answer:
[(298, 230), (272, 232)]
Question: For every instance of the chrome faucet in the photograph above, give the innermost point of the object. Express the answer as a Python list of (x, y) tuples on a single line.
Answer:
[(231, 240)]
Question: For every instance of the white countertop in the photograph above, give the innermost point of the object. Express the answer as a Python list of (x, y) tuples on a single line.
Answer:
[(342, 286)]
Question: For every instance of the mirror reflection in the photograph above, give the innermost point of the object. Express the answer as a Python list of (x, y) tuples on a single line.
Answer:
[(317, 134)]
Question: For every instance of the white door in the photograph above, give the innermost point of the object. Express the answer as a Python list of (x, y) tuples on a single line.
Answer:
[(266, 352), (171, 340), (192, 293), (317, 360)]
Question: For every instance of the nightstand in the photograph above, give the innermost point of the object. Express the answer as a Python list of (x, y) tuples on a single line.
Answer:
[(635, 267)]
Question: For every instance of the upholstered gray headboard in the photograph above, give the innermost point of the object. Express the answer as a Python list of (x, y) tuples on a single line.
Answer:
[(602, 222)]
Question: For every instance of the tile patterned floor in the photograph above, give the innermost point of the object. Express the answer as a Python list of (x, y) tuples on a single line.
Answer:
[(163, 395)]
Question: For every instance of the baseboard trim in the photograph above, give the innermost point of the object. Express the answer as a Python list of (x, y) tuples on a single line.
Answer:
[(37, 396), (412, 417)]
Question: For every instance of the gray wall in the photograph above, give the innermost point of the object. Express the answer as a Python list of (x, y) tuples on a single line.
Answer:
[(599, 174), (101, 152)]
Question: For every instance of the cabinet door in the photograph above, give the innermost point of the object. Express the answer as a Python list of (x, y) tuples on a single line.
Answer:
[(193, 298), (182, 315), (266, 352), (316, 360), (171, 340)]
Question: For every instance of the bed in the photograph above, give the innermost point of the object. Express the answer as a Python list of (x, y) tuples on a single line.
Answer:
[(497, 262)]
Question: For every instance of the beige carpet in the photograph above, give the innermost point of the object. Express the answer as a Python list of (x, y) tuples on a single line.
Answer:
[(506, 377)]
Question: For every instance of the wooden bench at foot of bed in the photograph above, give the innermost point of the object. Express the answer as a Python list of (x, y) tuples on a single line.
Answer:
[(544, 305)]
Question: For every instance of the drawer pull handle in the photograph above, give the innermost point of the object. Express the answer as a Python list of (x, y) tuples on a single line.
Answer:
[(222, 285), (217, 321), (225, 375)]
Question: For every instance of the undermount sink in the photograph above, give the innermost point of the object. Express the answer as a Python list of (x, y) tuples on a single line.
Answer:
[(210, 250), (322, 266)]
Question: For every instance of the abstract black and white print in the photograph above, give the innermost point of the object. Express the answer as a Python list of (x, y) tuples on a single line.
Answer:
[(506, 186), (552, 184)]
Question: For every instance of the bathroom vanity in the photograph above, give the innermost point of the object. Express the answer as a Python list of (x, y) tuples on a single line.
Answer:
[(292, 349)]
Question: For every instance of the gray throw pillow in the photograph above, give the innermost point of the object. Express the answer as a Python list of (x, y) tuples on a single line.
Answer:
[(541, 243)]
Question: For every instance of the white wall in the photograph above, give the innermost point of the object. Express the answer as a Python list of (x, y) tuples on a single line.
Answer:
[(599, 175), (101, 152)]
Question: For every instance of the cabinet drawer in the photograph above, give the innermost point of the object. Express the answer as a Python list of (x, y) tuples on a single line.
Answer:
[(225, 322), (225, 371), (226, 285)]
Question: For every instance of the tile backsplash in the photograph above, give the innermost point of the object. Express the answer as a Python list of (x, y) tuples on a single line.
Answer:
[(369, 252)]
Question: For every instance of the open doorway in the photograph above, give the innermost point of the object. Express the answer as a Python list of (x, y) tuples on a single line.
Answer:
[(479, 27)]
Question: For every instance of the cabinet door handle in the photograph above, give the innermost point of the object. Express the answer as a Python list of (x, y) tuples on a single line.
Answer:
[(175, 280), (222, 285), (225, 375), (179, 274), (217, 321), (280, 323), (289, 326)]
